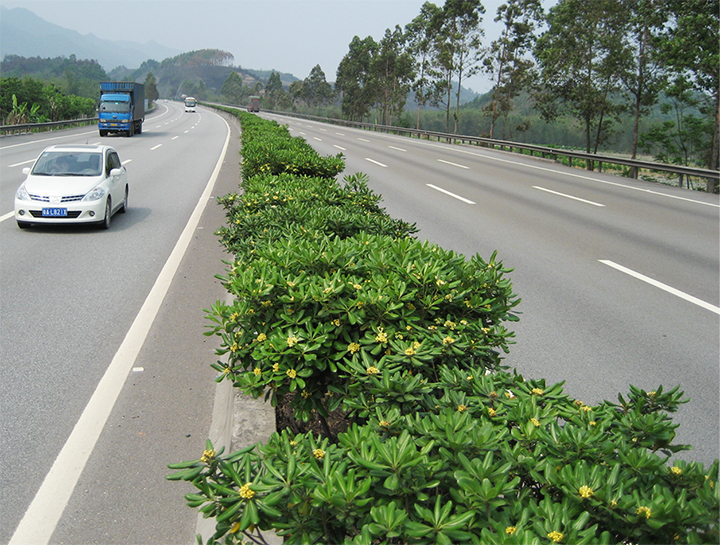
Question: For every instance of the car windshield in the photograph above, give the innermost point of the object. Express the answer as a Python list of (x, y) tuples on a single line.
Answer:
[(115, 107), (64, 163)]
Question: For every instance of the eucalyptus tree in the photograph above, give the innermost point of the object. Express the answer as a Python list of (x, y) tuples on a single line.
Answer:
[(232, 88), (275, 94), (580, 56), (421, 35), (354, 79), (642, 74), (392, 73), (151, 92), (507, 59), (316, 91), (462, 30), (690, 49)]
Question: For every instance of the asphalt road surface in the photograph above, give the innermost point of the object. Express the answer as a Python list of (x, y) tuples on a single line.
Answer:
[(101, 332), (80, 304), (619, 278)]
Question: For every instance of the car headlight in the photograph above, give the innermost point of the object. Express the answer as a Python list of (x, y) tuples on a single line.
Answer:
[(95, 194), (22, 194)]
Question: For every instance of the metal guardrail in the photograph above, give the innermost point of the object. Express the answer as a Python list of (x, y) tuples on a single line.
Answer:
[(712, 177), (29, 127)]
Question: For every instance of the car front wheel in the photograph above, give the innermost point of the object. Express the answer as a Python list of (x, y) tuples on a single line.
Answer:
[(124, 206), (105, 223)]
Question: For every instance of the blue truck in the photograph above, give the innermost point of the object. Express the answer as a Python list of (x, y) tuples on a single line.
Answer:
[(121, 108)]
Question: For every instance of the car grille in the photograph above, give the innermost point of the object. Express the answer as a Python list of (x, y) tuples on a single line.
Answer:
[(72, 214), (70, 198)]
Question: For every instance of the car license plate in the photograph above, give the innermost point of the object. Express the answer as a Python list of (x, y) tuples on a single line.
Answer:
[(54, 212)]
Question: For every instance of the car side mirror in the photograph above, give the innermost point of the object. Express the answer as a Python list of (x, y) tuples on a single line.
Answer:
[(116, 172), (26, 170)]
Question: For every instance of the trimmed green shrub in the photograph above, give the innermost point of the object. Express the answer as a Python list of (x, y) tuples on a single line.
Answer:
[(317, 314), (274, 207), (483, 459), (337, 307)]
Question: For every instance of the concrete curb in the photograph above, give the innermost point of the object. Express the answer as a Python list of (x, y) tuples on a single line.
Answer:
[(237, 421)]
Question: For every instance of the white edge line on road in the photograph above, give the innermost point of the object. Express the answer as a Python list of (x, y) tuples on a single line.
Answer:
[(376, 162), (665, 287), (43, 514), (568, 196), (441, 190), (7, 216)]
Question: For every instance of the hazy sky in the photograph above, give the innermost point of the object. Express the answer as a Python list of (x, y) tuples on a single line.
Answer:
[(284, 35)]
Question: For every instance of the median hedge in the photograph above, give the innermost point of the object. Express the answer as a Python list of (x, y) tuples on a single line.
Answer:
[(338, 310)]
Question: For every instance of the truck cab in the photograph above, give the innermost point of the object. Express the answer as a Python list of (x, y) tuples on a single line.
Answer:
[(121, 108)]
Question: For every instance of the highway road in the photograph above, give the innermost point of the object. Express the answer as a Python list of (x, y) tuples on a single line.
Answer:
[(619, 278), (79, 304)]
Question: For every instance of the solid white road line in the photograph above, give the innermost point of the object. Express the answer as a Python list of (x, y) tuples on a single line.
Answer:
[(43, 514), (567, 196), (339, 147), (7, 216), (665, 287), (458, 197)]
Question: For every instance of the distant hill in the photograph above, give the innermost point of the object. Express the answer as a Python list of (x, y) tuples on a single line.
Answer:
[(25, 34)]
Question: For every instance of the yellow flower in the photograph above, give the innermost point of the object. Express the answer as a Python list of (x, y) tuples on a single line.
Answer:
[(372, 370), (306, 394), (207, 455), (384, 423), (353, 347), (592, 423), (535, 421), (644, 511), (462, 408), (586, 408), (276, 367), (336, 322), (381, 336), (448, 340), (492, 411), (319, 453), (410, 351), (509, 394), (585, 491), (613, 504), (449, 324), (291, 373), (676, 470), (510, 530), (537, 391), (245, 491), (292, 340), (555, 537), (261, 337), (257, 371)]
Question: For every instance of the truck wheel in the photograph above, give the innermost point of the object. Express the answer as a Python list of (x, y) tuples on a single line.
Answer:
[(103, 133), (139, 129)]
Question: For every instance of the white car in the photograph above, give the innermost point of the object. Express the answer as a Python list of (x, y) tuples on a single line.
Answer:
[(73, 184)]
